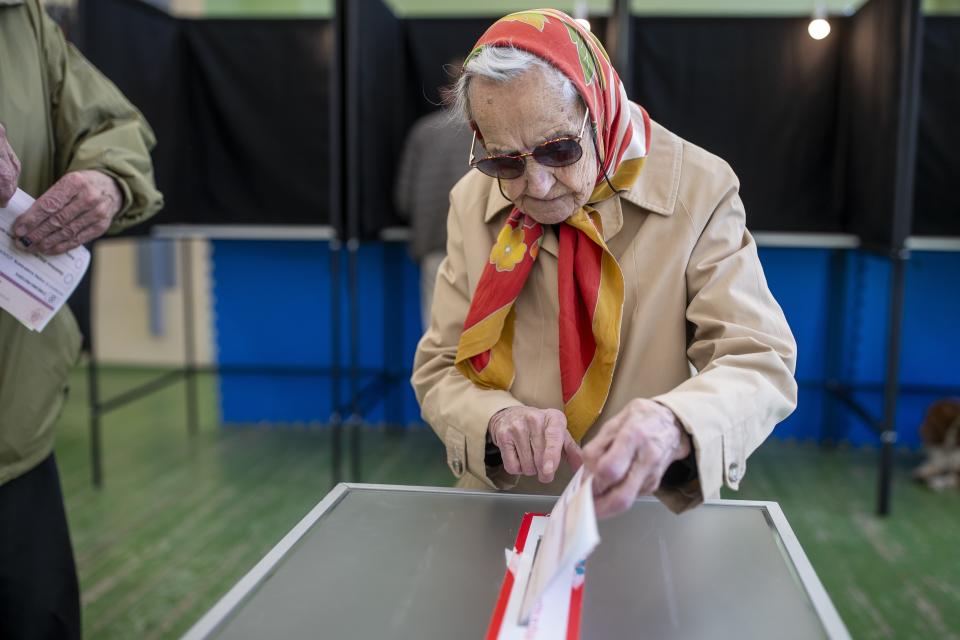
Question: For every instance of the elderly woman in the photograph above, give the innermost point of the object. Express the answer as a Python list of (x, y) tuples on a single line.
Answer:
[(600, 288)]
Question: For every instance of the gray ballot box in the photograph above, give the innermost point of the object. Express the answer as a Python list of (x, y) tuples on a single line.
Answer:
[(376, 561)]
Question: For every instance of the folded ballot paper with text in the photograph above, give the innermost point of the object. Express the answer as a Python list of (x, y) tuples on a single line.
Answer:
[(542, 589), (34, 287)]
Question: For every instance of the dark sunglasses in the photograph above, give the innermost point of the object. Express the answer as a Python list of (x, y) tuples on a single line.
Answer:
[(559, 152)]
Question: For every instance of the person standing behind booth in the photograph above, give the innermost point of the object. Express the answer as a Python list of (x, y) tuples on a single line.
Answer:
[(431, 163), (68, 136)]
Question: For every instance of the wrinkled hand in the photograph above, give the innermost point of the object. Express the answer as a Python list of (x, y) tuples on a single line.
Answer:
[(630, 454), (9, 169), (77, 209), (532, 440)]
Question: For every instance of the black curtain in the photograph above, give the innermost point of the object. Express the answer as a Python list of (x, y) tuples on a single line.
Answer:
[(375, 116), (256, 144), (878, 107), (761, 94), (937, 192), (140, 49), (430, 43), (241, 109), (814, 129)]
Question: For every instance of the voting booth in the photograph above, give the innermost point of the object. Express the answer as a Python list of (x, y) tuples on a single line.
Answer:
[(828, 138)]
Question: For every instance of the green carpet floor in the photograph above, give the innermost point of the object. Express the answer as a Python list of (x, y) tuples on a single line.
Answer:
[(180, 519)]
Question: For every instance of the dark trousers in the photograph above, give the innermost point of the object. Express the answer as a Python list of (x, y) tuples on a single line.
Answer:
[(39, 596)]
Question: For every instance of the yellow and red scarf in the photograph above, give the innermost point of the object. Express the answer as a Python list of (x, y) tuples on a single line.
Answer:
[(589, 280)]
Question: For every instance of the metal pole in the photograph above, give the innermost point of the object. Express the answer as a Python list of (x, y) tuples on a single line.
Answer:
[(911, 34), (392, 262), (891, 384), (189, 338), (93, 395), (338, 181), (836, 295), (351, 199), (353, 247), (336, 420)]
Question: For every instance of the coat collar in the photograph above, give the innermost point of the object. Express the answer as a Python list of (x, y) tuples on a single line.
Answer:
[(655, 190)]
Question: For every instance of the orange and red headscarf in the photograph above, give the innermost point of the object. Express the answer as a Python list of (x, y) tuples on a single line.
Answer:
[(589, 280)]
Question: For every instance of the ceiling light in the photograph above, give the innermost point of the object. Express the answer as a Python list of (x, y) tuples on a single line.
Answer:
[(819, 28)]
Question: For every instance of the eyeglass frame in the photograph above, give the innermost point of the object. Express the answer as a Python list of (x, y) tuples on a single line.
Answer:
[(472, 160)]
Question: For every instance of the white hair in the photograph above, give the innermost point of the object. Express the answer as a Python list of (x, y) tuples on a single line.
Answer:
[(503, 63)]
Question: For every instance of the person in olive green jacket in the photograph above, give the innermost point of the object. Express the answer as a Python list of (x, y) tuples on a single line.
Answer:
[(69, 138)]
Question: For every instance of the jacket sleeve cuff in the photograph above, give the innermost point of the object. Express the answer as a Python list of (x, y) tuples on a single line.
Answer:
[(126, 194), (720, 453), (466, 441)]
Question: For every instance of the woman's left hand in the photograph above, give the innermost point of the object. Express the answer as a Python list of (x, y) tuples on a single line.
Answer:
[(632, 452)]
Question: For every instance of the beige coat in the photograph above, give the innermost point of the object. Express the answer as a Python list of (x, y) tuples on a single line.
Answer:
[(701, 332)]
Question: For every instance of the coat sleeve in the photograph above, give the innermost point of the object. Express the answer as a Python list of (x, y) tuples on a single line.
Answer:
[(96, 127), (456, 409), (741, 346)]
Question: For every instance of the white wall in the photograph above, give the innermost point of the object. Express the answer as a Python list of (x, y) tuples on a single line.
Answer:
[(121, 313)]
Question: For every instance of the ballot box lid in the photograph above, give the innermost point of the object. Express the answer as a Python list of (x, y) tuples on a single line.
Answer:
[(380, 561)]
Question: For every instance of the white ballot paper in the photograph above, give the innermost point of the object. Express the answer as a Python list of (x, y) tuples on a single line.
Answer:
[(570, 536), (34, 287), (542, 592)]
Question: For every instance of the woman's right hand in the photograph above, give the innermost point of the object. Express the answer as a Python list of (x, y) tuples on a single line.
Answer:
[(9, 169), (532, 440)]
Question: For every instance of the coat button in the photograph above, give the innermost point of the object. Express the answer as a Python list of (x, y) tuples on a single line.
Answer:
[(733, 472), (457, 467)]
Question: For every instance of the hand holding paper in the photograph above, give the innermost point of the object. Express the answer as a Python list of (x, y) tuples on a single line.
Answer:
[(34, 287), (78, 208), (631, 453)]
